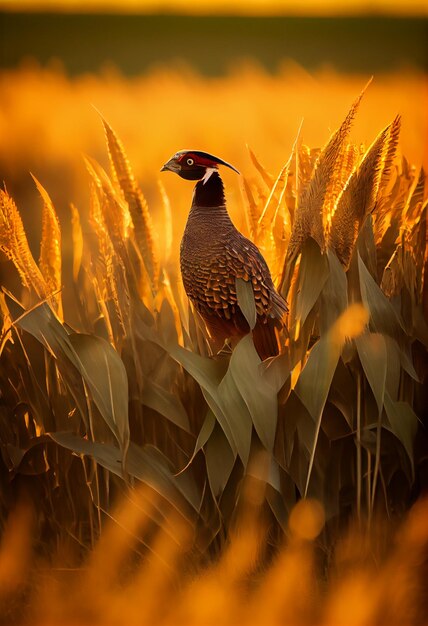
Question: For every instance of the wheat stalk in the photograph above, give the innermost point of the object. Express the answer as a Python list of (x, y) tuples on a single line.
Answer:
[(50, 247), (139, 210), (359, 197), (13, 242)]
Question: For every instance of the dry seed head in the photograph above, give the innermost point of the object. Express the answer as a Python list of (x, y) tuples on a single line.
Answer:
[(358, 198), (139, 210), (309, 217), (13, 242), (345, 167), (77, 238), (119, 222), (106, 260), (50, 247)]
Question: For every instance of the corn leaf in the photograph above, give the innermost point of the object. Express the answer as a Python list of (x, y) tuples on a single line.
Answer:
[(315, 380), (383, 317), (259, 396), (237, 414), (219, 459), (204, 434), (146, 464), (226, 404), (276, 370), (167, 404), (312, 276), (104, 373), (373, 356), (393, 367), (403, 422), (334, 294)]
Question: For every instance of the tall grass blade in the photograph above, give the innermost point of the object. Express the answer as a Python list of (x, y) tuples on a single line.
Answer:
[(267, 178)]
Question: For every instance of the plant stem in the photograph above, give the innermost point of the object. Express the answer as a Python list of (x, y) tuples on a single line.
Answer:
[(359, 479), (377, 458), (368, 476)]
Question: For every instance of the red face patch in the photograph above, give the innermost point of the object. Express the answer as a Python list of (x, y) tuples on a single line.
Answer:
[(198, 159)]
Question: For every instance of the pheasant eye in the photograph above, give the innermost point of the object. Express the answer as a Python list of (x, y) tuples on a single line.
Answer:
[(190, 161)]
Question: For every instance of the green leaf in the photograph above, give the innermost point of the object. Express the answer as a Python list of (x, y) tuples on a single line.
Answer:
[(146, 464), (315, 379), (369, 438), (290, 415), (96, 361), (237, 414), (165, 403), (246, 301), (204, 435), (383, 318), (372, 351), (222, 397), (280, 507), (104, 373), (219, 459), (392, 367), (406, 362), (166, 322), (343, 393), (312, 276), (366, 246), (266, 469), (207, 373), (276, 370), (334, 295), (42, 323), (404, 423), (259, 396)]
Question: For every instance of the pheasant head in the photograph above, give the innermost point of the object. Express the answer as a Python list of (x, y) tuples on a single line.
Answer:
[(195, 164)]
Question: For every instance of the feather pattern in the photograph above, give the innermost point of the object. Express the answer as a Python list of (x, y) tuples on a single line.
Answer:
[(213, 255)]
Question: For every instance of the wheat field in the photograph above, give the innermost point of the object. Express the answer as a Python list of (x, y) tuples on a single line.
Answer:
[(146, 479)]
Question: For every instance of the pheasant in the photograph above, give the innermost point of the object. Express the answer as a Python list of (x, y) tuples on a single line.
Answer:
[(213, 254)]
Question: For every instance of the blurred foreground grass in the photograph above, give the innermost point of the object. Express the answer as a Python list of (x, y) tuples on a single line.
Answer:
[(373, 576)]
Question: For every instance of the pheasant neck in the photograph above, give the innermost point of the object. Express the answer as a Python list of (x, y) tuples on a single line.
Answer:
[(209, 193)]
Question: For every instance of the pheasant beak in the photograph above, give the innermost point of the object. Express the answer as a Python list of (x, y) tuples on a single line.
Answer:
[(171, 166)]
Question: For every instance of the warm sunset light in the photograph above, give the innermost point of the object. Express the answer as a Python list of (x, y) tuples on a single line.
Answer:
[(257, 7), (213, 313)]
